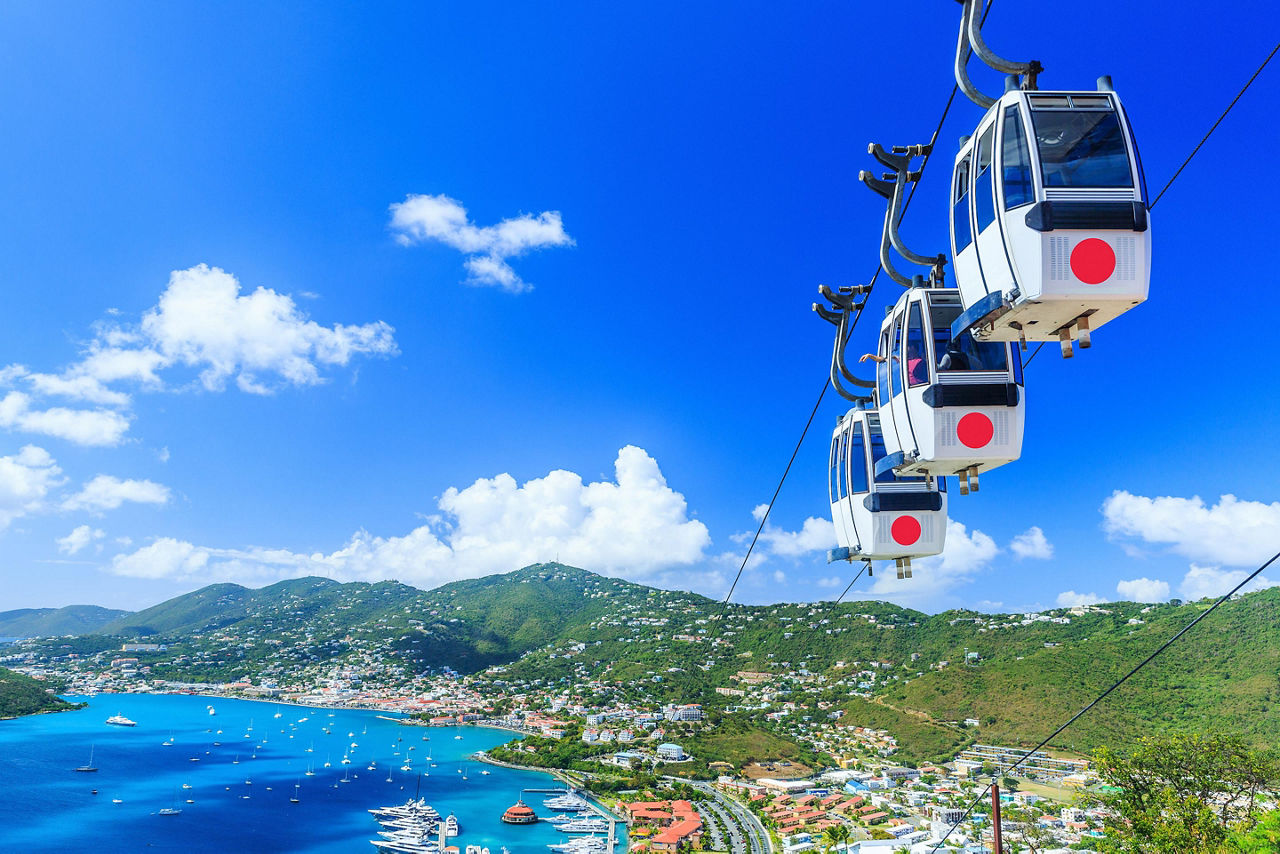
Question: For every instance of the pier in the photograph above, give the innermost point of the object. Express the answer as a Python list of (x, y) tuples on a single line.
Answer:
[(594, 807)]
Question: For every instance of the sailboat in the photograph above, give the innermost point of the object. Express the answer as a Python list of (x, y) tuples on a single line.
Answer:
[(310, 771), (294, 799), (172, 810), (89, 766)]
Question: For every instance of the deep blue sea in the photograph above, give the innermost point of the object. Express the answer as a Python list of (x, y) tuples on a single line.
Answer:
[(241, 779)]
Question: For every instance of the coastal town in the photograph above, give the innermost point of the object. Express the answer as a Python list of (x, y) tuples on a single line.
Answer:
[(640, 761)]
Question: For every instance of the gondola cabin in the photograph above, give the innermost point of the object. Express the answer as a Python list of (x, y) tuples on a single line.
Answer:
[(1050, 234), (884, 516), (948, 405)]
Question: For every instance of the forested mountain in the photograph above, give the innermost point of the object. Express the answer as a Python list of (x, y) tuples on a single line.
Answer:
[(43, 622), (550, 625)]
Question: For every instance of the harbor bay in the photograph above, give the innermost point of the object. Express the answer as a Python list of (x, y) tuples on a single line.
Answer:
[(214, 774)]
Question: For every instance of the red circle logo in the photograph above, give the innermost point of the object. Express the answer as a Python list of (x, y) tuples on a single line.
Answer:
[(1093, 261), (905, 530), (975, 430)]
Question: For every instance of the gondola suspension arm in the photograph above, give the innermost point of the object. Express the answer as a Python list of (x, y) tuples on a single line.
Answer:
[(892, 186), (971, 41), (1030, 69), (844, 301)]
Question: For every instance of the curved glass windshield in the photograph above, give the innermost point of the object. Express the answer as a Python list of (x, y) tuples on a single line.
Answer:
[(1081, 148), (963, 353)]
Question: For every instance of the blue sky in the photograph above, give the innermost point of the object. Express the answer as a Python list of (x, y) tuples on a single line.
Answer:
[(429, 292)]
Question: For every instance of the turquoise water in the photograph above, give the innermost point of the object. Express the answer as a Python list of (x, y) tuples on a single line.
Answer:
[(241, 785)]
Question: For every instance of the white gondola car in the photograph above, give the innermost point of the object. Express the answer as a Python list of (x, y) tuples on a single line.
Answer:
[(1049, 227), (880, 517), (948, 406)]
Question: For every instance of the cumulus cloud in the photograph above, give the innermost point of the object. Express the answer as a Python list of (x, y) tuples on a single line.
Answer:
[(965, 555), (421, 218), (26, 478), (634, 525), (1212, 581), (814, 535), (1072, 599), (105, 492), (165, 558), (1032, 543), (1143, 590), (78, 539), (94, 427), (203, 322), (1231, 532)]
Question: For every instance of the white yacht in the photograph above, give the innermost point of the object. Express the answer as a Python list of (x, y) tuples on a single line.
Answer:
[(584, 825), (121, 720), (570, 802), (451, 825)]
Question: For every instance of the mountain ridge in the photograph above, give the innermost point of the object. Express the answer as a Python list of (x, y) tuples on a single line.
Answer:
[(549, 625)]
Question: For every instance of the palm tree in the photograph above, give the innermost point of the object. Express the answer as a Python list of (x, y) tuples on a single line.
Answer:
[(833, 836)]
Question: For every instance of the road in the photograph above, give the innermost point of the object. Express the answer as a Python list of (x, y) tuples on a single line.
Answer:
[(758, 840)]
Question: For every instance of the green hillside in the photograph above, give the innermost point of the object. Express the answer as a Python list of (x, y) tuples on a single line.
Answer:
[(22, 695), (554, 627), (47, 622)]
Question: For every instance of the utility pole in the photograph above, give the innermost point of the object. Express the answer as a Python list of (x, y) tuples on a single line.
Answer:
[(995, 815)]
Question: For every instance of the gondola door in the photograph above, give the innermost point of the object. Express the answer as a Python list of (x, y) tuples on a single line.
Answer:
[(988, 233), (898, 381)]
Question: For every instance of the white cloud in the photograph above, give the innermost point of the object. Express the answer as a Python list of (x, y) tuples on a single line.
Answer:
[(105, 492), (635, 525), (1231, 532), (78, 539), (1143, 590), (165, 558), (81, 387), (82, 426), (421, 218), (964, 556), (25, 479), (814, 535), (1032, 543), (202, 321), (1211, 581), (1072, 599)]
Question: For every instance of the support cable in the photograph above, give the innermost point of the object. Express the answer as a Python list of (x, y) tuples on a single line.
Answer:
[(1170, 642), (785, 472), (914, 186), (1215, 124)]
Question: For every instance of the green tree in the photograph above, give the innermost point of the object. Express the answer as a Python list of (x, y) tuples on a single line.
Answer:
[(1009, 784), (1023, 833), (1182, 793), (1262, 838), (833, 836)]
